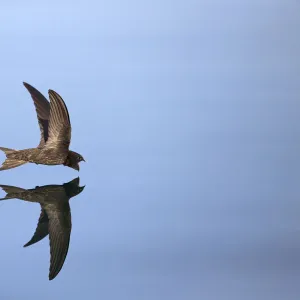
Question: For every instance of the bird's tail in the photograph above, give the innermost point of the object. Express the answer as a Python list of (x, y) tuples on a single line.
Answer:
[(10, 163), (11, 191)]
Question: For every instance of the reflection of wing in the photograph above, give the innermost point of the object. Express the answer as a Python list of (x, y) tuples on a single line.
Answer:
[(41, 229), (55, 217), (42, 107), (59, 123), (59, 234)]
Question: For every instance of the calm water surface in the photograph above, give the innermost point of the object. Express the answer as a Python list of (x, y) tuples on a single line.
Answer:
[(188, 118)]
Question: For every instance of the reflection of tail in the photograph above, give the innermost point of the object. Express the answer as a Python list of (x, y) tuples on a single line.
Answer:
[(11, 191), (10, 162)]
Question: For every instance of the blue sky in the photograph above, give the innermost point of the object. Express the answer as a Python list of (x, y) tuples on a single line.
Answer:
[(187, 113)]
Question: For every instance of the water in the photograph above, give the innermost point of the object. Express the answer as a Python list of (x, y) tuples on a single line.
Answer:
[(187, 114)]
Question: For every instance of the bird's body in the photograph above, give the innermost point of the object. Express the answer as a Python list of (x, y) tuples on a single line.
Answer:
[(55, 127), (45, 156), (55, 217)]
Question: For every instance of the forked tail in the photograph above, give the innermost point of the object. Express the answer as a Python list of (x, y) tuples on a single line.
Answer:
[(12, 192), (10, 163)]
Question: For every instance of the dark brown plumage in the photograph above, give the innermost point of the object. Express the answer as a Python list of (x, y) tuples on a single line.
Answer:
[(55, 218), (55, 127)]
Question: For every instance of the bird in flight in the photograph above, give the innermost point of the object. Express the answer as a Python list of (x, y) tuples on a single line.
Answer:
[(55, 127), (55, 217)]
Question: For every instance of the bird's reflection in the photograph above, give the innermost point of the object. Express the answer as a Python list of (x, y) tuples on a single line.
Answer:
[(55, 218)]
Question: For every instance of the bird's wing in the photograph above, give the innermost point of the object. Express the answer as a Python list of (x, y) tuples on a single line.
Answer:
[(42, 107), (41, 229), (59, 233), (59, 123)]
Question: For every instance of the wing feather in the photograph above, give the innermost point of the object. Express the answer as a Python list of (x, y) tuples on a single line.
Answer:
[(59, 234), (41, 229), (42, 107), (59, 123)]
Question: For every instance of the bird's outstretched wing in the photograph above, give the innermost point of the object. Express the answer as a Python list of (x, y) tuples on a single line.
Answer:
[(59, 234), (41, 229), (59, 123), (42, 107)]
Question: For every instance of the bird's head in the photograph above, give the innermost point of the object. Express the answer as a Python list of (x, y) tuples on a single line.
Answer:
[(72, 188), (73, 160)]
